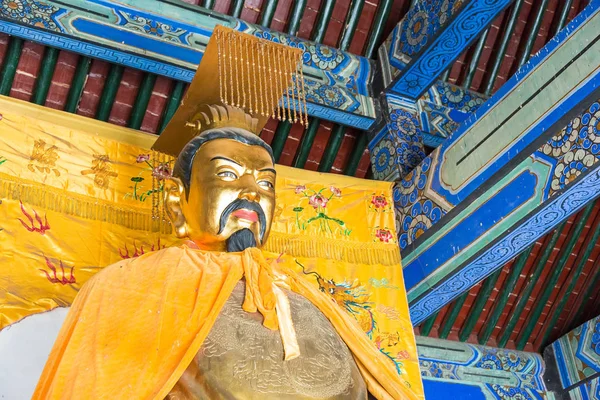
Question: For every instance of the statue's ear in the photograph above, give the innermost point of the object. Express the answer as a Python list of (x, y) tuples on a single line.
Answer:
[(174, 193)]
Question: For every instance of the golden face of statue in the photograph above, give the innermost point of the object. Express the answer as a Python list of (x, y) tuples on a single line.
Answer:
[(232, 187)]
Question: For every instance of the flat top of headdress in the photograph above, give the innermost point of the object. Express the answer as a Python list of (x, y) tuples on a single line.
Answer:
[(241, 81)]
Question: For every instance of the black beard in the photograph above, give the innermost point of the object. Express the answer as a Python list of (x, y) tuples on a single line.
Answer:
[(240, 241)]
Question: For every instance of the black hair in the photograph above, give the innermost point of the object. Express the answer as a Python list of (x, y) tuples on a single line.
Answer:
[(183, 165)]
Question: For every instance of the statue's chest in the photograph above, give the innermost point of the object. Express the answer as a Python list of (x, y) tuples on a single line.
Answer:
[(241, 359)]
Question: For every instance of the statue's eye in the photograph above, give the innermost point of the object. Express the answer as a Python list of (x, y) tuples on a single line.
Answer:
[(266, 185), (227, 175)]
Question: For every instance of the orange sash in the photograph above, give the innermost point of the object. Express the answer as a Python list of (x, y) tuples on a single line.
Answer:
[(136, 326)]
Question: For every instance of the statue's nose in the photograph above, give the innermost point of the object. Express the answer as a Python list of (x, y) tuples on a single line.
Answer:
[(250, 189), (250, 195)]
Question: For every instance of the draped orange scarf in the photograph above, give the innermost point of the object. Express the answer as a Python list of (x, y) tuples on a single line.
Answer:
[(135, 327)]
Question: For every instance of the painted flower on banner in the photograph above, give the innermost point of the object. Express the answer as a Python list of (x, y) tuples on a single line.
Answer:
[(326, 57), (379, 201), (159, 171), (162, 171), (318, 200), (336, 192), (300, 189), (384, 235), (571, 166)]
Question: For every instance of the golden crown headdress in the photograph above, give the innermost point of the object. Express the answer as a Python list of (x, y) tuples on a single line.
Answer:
[(241, 82)]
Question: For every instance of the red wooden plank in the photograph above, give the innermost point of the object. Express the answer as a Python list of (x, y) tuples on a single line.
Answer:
[(27, 71), (93, 88), (157, 104), (61, 80), (125, 98)]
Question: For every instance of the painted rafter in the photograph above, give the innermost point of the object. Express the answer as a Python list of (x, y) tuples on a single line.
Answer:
[(429, 38), (468, 209), (168, 38)]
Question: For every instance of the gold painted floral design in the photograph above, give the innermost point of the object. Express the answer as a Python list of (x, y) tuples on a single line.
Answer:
[(102, 171), (43, 158)]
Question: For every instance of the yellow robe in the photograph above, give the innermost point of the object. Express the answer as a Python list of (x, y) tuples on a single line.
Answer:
[(135, 327)]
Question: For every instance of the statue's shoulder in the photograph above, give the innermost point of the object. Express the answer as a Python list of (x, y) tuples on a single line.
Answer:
[(148, 262)]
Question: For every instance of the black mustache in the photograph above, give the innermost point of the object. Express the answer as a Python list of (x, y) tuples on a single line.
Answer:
[(239, 204)]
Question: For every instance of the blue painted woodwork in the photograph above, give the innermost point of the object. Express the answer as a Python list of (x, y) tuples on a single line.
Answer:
[(452, 228), (168, 38), (556, 199), (576, 358), (453, 370), (429, 38), (396, 144)]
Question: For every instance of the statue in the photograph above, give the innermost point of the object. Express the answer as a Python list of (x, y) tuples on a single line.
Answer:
[(214, 318)]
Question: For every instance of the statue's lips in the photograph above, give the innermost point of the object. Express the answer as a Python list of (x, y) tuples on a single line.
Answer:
[(248, 215)]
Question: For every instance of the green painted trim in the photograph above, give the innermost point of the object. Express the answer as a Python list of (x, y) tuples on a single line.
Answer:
[(306, 143), (357, 152), (573, 280), (502, 298), (11, 60), (452, 315), (377, 27), (141, 102), (44, 79), (320, 27), (173, 104), (475, 60), (268, 11), (592, 289), (533, 280), (78, 83), (538, 168), (351, 23), (281, 134), (332, 148), (510, 27), (562, 19), (549, 285), (236, 8), (428, 325), (537, 23), (296, 17), (109, 92), (480, 301)]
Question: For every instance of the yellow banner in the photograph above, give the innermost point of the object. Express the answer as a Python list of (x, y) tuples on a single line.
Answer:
[(77, 195)]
